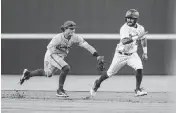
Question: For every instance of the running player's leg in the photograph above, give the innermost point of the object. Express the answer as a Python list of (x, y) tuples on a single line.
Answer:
[(58, 62), (62, 77), (27, 74), (48, 70), (38, 72), (117, 62), (136, 63)]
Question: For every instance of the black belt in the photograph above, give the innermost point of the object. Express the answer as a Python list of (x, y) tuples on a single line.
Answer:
[(128, 54)]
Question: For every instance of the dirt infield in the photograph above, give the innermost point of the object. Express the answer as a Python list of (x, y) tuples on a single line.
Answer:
[(31, 101), (116, 95)]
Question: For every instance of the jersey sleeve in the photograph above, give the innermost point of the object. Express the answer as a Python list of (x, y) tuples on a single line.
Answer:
[(54, 43), (56, 40), (79, 40), (82, 43), (124, 32)]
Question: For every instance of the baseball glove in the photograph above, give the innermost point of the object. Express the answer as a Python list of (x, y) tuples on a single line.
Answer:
[(101, 63)]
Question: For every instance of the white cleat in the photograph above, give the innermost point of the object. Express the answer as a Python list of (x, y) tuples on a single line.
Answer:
[(94, 88), (92, 92), (140, 93), (61, 95)]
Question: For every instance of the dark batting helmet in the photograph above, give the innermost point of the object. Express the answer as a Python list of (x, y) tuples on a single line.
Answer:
[(132, 13)]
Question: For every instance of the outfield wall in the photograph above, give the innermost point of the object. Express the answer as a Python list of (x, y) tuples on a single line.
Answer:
[(23, 52), (91, 16)]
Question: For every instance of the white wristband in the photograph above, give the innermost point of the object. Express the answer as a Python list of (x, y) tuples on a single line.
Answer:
[(145, 50), (135, 38)]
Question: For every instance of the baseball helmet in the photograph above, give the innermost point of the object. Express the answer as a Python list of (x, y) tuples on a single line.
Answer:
[(132, 13), (69, 24)]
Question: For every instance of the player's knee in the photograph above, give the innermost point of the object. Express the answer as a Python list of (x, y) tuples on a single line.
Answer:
[(106, 75), (66, 69), (109, 74)]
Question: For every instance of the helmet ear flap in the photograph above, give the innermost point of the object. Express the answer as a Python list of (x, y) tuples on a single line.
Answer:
[(125, 19)]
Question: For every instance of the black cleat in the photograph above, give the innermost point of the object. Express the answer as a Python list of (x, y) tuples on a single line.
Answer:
[(24, 77), (61, 93)]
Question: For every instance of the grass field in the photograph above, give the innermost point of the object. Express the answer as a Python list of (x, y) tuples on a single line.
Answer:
[(116, 95)]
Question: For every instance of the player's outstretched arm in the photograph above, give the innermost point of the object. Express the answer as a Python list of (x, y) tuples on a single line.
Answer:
[(130, 39), (126, 40), (100, 59), (92, 50)]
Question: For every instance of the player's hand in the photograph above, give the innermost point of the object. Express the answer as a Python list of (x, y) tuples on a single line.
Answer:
[(144, 56), (101, 63)]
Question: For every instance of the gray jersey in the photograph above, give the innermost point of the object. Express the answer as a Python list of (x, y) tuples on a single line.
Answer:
[(60, 45)]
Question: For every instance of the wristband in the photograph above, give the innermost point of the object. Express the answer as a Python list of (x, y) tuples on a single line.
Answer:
[(145, 50)]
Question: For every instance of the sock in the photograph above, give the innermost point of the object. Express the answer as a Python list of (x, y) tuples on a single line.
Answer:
[(138, 78), (103, 77), (38, 72), (62, 77)]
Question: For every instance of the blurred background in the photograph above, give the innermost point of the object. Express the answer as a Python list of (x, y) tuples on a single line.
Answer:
[(91, 16)]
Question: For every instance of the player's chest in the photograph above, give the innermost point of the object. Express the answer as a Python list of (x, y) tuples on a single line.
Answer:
[(67, 42), (134, 31)]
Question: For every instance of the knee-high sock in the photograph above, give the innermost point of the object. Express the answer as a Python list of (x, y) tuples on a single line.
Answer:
[(62, 77), (103, 77), (38, 72), (138, 78)]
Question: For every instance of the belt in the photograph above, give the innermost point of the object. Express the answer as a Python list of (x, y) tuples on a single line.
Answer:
[(128, 54)]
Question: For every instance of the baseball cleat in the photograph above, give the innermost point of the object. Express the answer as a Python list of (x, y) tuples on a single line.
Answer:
[(139, 92), (25, 76), (94, 89), (92, 92), (61, 93)]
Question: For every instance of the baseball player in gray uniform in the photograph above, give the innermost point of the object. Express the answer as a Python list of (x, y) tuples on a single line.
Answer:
[(126, 52), (57, 50)]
